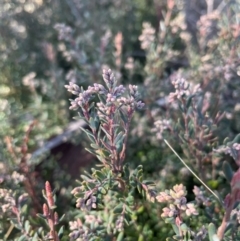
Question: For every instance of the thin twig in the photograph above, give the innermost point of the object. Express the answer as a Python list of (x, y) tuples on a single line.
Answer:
[(195, 175)]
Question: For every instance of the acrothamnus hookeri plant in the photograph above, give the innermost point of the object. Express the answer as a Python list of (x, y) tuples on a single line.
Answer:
[(110, 116), (107, 111)]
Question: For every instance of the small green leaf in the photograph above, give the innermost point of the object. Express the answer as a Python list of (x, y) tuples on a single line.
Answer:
[(53, 207), (215, 237), (92, 124), (141, 237), (130, 200), (60, 232), (225, 141), (126, 171), (119, 145), (106, 145), (120, 236), (22, 238), (15, 223), (106, 132), (128, 209), (35, 238), (184, 227), (97, 121), (123, 117), (236, 139), (119, 137), (27, 226), (118, 208), (140, 209), (229, 228), (44, 194), (85, 178), (175, 228), (227, 171), (139, 187), (41, 216), (91, 109), (62, 217), (24, 208), (89, 134), (102, 190), (102, 99), (148, 182), (170, 220), (177, 237), (189, 101), (211, 231), (80, 116), (94, 146), (126, 220), (98, 174), (91, 151)]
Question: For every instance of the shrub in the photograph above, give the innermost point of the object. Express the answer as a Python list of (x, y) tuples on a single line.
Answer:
[(165, 169)]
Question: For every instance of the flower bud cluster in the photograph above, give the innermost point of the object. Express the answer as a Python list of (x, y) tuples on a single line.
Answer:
[(113, 94), (131, 102), (119, 90), (98, 89), (237, 213), (77, 190), (91, 219), (147, 37), (109, 78), (233, 150), (103, 110), (160, 127), (178, 24), (191, 209), (64, 32), (73, 88), (83, 96), (183, 88), (133, 90), (236, 146), (78, 231), (178, 202), (164, 197), (207, 24), (81, 231), (110, 98), (170, 211), (86, 203), (151, 195), (230, 149), (201, 234), (75, 224), (17, 177), (7, 200), (199, 196), (76, 234)]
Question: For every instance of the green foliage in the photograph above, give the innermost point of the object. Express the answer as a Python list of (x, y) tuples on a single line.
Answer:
[(185, 89)]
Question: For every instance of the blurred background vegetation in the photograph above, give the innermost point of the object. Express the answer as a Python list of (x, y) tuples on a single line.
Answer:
[(35, 63), (44, 44)]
